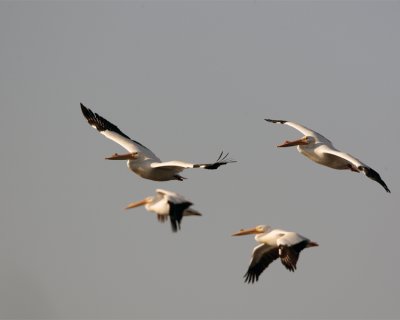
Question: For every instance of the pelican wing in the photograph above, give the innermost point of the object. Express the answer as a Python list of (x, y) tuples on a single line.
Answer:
[(162, 218), (342, 156), (178, 166), (170, 168), (305, 131), (113, 133), (289, 256), (356, 165), (191, 212), (176, 213), (290, 245), (170, 195), (262, 257)]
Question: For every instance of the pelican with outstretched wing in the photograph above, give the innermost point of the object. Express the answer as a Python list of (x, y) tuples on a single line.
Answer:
[(274, 244), (167, 204), (320, 150), (142, 160)]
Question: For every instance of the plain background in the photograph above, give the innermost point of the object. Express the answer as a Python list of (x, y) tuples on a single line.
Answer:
[(189, 79)]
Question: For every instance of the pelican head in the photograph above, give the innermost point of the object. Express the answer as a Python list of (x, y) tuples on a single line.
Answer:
[(306, 140), (143, 202), (256, 230)]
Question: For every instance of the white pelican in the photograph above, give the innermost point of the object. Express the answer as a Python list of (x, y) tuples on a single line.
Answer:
[(142, 160), (320, 150), (166, 203), (274, 244)]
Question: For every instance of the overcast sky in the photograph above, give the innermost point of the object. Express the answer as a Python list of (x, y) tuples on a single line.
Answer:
[(187, 80)]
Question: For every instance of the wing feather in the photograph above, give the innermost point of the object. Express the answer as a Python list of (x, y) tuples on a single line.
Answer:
[(290, 246), (342, 155), (112, 132), (176, 213), (304, 130), (178, 166), (356, 165), (263, 256)]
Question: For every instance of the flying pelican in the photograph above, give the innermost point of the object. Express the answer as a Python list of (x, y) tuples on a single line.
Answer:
[(274, 244), (320, 150), (142, 160), (166, 203)]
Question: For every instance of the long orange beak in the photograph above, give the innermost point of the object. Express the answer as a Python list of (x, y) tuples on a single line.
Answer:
[(127, 156), (244, 232), (137, 204), (287, 143)]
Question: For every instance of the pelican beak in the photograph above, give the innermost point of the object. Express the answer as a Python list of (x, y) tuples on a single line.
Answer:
[(127, 156), (244, 232), (137, 203), (287, 143)]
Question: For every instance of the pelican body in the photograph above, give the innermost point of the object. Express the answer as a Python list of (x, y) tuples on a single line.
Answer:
[(142, 160), (321, 150), (167, 204), (274, 244)]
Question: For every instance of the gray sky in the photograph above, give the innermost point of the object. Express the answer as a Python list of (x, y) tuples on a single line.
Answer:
[(189, 79)]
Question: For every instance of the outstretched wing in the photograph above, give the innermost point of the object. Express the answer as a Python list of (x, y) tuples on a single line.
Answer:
[(290, 255), (290, 245), (263, 255), (191, 212), (177, 166), (342, 155), (176, 213), (113, 133), (357, 165), (305, 131), (372, 174)]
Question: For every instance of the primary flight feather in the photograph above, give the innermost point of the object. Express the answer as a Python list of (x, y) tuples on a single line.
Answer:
[(321, 150), (141, 159)]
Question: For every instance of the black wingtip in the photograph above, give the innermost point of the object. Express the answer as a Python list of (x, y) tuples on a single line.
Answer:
[(83, 108), (174, 227), (101, 124), (250, 278), (87, 113), (276, 121), (385, 187), (372, 174), (222, 160)]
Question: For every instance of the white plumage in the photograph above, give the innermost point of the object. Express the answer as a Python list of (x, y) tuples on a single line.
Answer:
[(142, 160), (321, 150), (167, 204), (274, 244)]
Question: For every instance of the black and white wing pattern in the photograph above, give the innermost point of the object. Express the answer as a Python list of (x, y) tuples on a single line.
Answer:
[(290, 245), (356, 165), (177, 205), (178, 166), (176, 213), (263, 256), (290, 254), (113, 133), (304, 130)]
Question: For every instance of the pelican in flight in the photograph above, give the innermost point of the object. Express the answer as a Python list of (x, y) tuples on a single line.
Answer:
[(166, 203), (320, 150), (142, 160), (274, 244)]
